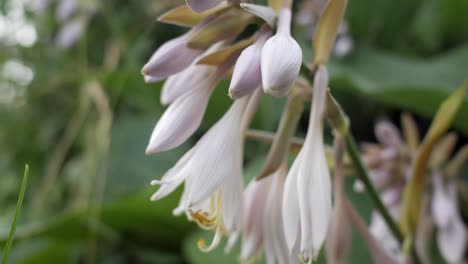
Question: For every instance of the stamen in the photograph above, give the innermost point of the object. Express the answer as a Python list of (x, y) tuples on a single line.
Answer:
[(214, 243)]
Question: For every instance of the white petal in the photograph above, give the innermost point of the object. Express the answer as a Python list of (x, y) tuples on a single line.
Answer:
[(281, 60), (171, 58), (291, 205), (264, 12), (70, 32), (202, 5), (174, 176), (218, 154), (247, 71), (443, 205), (176, 85), (181, 119), (453, 240), (65, 9)]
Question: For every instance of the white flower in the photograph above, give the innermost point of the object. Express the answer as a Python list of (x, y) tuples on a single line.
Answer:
[(281, 58), (171, 58), (307, 201), (452, 236), (212, 173), (70, 32), (263, 222), (202, 5), (247, 72), (183, 117), (65, 9)]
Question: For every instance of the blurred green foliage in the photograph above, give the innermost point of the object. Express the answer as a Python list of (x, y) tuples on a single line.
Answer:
[(408, 55)]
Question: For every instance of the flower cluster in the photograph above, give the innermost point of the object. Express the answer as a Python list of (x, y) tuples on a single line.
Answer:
[(390, 164), (286, 214)]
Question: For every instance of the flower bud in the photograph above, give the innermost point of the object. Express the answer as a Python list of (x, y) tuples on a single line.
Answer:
[(171, 58), (247, 71), (281, 58)]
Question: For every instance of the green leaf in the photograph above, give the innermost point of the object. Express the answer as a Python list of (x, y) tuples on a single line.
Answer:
[(415, 85), (11, 234)]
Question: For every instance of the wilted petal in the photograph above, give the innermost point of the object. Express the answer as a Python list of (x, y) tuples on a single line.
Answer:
[(247, 71), (202, 5), (181, 118), (171, 58), (281, 69)]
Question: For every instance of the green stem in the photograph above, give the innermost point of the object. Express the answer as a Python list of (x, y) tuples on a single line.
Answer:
[(370, 188), (374, 195), (15, 218)]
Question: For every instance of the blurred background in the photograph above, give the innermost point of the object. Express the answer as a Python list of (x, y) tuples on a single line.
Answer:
[(74, 106)]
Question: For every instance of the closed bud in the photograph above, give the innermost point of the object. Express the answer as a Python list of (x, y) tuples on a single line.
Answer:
[(247, 71), (281, 58)]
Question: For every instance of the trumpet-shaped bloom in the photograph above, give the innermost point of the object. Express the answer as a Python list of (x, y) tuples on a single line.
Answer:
[(452, 237), (307, 201), (171, 58), (263, 223), (212, 173), (281, 58), (182, 118), (202, 5), (247, 71)]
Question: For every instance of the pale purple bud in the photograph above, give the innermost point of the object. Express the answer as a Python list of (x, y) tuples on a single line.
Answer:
[(70, 33), (182, 118), (281, 58), (247, 71), (202, 5), (171, 58)]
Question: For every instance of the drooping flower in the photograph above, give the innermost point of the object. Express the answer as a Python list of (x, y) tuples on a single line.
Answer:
[(182, 118), (171, 58), (263, 223), (247, 71), (452, 235), (307, 194), (212, 174), (281, 58)]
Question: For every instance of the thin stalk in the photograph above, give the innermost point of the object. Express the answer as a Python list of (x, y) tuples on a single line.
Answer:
[(15, 218), (373, 194)]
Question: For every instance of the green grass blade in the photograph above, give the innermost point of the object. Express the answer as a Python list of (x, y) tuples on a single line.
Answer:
[(15, 219)]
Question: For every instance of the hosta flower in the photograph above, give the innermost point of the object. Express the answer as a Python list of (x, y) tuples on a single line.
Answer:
[(452, 235), (307, 194), (247, 71), (171, 58), (212, 174), (182, 118), (281, 58), (262, 220), (70, 32)]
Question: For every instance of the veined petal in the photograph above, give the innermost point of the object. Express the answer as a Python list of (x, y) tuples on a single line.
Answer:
[(171, 58), (291, 205), (266, 13), (231, 191), (174, 176), (221, 143), (453, 240), (176, 85), (247, 71), (280, 69), (181, 119), (202, 5)]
